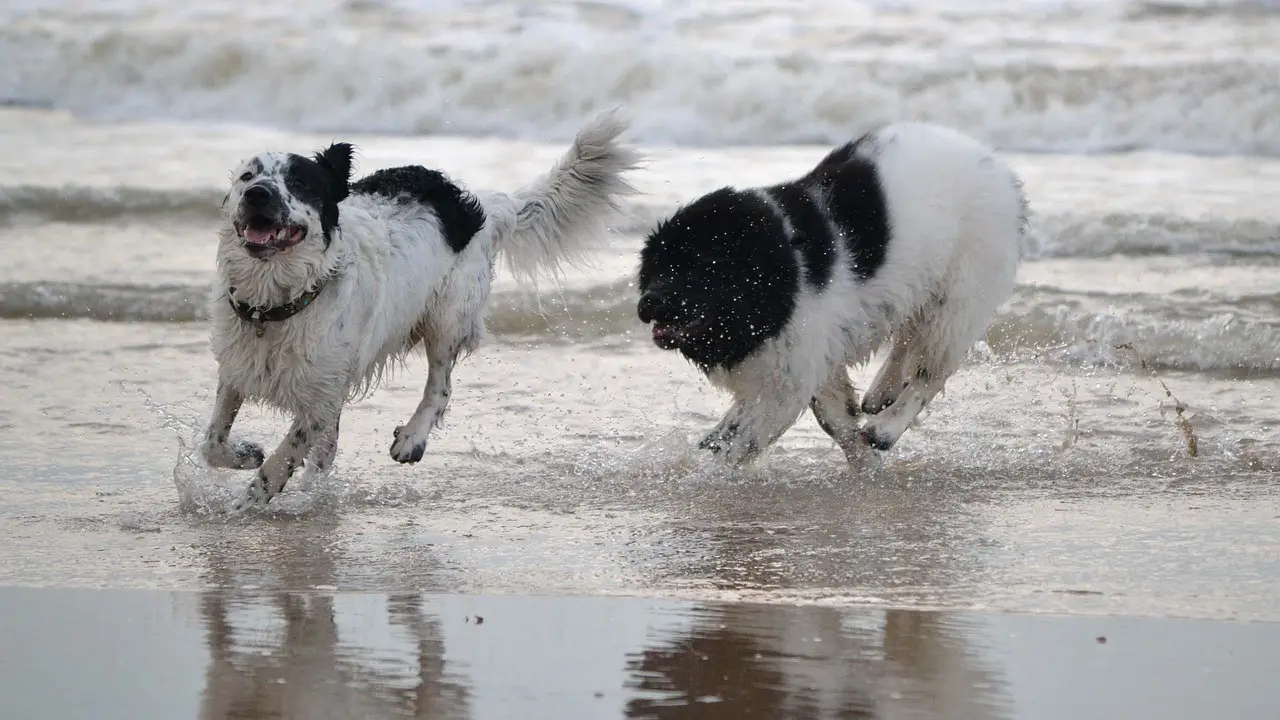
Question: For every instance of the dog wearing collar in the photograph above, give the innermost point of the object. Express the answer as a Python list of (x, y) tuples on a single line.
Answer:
[(323, 282)]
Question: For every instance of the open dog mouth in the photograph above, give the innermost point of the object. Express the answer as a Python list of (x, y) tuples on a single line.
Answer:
[(670, 335), (261, 234)]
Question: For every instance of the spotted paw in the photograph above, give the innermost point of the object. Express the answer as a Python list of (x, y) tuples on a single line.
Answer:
[(242, 455), (407, 447), (248, 456), (872, 406), (875, 438), (732, 451), (714, 443)]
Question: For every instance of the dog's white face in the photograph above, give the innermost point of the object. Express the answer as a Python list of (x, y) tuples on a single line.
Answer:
[(285, 204)]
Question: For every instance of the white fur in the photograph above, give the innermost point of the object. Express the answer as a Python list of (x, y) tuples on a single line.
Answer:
[(956, 214), (395, 285)]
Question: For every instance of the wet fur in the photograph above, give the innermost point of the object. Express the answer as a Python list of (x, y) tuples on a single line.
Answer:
[(909, 234), (409, 257)]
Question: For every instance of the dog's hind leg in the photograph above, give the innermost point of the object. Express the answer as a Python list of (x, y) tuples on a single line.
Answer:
[(940, 339), (888, 426), (410, 441), (836, 409), (217, 449), (893, 375)]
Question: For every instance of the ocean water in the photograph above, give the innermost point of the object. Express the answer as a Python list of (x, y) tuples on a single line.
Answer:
[(1112, 447)]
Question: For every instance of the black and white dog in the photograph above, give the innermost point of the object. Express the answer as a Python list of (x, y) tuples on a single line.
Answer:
[(911, 232), (323, 282)]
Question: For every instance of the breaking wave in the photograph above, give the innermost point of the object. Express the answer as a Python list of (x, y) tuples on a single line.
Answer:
[(540, 80)]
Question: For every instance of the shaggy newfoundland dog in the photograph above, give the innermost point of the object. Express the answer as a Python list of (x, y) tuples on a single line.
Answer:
[(908, 235)]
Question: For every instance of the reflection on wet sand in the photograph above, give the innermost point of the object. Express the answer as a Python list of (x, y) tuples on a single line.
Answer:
[(305, 670), (931, 670), (291, 655), (801, 663), (283, 654), (321, 654), (727, 666), (317, 654)]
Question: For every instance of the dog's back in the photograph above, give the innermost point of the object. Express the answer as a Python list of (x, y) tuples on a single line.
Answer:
[(951, 202)]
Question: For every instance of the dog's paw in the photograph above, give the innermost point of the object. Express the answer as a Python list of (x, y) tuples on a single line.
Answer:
[(719, 439), (714, 443), (247, 455), (876, 405), (254, 497), (407, 447), (875, 438), (733, 451), (880, 399), (242, 455)]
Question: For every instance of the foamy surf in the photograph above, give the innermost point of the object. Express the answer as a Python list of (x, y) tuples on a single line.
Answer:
[(1025, 80)]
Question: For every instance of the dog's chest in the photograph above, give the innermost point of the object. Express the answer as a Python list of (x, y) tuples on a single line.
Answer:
[(279, 367)]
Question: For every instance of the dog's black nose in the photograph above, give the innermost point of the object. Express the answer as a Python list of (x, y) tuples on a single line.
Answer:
[(257, 196), (650, 304)]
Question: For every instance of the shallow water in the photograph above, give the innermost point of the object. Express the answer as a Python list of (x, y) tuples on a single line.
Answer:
[(578, 478)]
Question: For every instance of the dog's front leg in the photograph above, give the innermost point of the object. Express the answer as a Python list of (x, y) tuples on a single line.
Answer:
[(324, 447), (410, 440), (216, 449), (716, 440), (759, 424), (276, 471)]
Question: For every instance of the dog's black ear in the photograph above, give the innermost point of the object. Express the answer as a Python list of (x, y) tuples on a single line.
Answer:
[(337, 159)]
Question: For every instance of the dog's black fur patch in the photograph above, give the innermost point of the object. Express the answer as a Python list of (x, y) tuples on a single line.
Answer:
[(725, 259), (321, 181), (460, 212), (811, 234), (855, 200), (722, 260)]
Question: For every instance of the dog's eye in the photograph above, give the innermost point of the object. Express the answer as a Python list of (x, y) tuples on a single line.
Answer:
[(246, 177)]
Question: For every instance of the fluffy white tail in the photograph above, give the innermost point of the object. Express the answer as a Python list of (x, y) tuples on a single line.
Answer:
[(563, 214)]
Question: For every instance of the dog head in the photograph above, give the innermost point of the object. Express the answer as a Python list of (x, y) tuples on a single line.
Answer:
[(281, 203), (717, 278)]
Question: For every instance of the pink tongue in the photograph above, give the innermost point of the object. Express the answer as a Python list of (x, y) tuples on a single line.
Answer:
[(259, 237)]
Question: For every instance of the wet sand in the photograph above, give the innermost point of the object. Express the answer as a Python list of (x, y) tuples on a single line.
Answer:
[(156, 654)]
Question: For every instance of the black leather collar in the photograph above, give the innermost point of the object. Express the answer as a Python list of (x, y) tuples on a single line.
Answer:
[(257, 316)]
